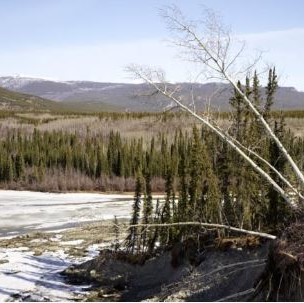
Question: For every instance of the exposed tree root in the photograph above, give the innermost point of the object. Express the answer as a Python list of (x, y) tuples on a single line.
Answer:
[(283, 278)]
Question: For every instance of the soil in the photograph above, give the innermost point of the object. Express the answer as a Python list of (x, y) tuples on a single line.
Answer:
[(228, 275)]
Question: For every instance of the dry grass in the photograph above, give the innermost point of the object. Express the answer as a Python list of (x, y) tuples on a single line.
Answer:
[(296, 125), (84, 125), (100, 233)]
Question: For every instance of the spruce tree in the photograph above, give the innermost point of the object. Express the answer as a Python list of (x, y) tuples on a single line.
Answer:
[(277, 211), (147, 208), (196, 175), (166, 217), (182, 207), (154, 235), (116, 234), (224, 174), (271, 88), (19, 167), (9, 171), (133, 237)]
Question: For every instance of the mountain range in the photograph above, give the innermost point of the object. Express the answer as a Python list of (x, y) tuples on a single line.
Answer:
[(101, 96)]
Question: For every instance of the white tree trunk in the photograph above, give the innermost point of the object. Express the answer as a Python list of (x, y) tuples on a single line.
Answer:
[(294, 166), (212, 48)]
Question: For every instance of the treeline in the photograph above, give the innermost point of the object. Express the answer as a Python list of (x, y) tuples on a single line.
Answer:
[(30, 159), (51, 159)]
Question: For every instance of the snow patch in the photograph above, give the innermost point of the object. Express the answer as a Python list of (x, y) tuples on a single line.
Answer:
[(72, 242), (39, 241), (16, 82), (26, 275), (93, 250), (56, 238)]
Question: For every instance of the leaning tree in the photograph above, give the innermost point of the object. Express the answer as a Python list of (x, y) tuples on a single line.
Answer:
[(218, 55)]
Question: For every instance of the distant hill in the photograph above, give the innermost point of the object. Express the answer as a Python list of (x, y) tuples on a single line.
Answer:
[(10, 100), (98, 96)]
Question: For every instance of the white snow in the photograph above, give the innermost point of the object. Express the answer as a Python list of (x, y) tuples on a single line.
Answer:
[(16, 82), (38, 276), (72, 242), (19, 81), (57, 237), (93, 250)]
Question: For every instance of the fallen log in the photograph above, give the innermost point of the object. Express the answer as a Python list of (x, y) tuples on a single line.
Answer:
[(207, 225)]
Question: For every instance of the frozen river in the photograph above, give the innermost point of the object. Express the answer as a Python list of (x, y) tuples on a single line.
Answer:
[(28, 276), (23, 211)]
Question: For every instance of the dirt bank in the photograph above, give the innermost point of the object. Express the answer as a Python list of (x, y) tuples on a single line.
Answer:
[(221, 275)]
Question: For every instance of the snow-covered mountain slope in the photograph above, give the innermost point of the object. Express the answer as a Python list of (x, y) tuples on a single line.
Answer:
[(96, 96), (17, 82)]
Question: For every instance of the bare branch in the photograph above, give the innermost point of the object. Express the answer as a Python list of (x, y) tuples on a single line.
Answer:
[(212, 225), (237, 55), (211, 49)]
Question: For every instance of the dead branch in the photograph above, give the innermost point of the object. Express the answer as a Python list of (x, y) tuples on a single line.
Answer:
[(251, 152), (214, 225), (211, 50)]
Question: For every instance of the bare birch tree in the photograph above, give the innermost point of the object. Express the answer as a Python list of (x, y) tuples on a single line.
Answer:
[(210, 45)]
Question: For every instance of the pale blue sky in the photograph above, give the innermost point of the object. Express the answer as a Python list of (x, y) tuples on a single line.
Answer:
[(96, 39)]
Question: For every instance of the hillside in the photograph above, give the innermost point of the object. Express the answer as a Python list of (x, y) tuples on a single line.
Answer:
[(98, 96), (10, 100)]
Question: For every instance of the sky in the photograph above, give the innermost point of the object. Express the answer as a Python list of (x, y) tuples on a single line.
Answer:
[(96, 39)]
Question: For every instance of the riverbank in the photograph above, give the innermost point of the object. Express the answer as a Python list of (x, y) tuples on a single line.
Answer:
[(30, 265), (31, 269), (43, 233), (39, 242), (229, 275)]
